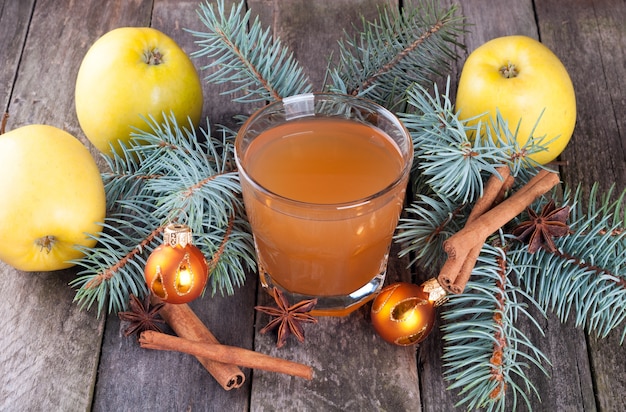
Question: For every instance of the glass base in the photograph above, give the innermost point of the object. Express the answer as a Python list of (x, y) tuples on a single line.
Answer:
[(341, 305)]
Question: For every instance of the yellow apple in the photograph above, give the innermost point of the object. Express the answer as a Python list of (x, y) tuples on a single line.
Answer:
[(52, 197), (521, 78), (129, 74)]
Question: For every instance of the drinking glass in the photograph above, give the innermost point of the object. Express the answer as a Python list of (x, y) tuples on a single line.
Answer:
[(323, 178)]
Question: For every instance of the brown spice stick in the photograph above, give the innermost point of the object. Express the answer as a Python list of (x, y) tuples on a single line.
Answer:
[(490, 193), (494, 192), (459, 246), (223, 353), (489, 222), (506, 186), (455, 281), (187, 325), (466, 270)]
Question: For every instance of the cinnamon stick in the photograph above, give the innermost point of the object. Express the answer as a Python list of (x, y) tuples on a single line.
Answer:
[(187, 325), (491, 192), (455, 281), (506, 186), (459, 246), (223, 353)]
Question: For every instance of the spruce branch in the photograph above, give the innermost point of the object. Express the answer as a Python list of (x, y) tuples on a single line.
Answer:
[(586, 274), (396, 51), (486, 354), (114, 268), (573, 279), (429, 221), (451, 163), (259, 67), (167, 174), (452, 156)]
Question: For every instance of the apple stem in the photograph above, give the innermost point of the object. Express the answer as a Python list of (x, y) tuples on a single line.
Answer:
[(509, 71), (3, 122), (45, 242), (153, 57)]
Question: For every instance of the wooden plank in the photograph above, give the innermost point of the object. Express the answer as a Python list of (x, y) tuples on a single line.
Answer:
[(14, 20), (132, 378), (174, 18), (50, 346), (174, 381), (590, 38), (45, 336), (429, 353), (311, 29), (354, 369)]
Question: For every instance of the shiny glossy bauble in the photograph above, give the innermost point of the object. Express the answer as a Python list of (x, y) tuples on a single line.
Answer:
[(402, 313), (176, 271)]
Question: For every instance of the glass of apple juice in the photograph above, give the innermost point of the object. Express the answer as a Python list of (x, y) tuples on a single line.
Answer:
[(323, 178)]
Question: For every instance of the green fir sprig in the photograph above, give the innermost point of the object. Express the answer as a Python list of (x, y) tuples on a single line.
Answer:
[(171, 174), (393, 53), (486, 355), (245, 56), (167, 174), (585, 276)]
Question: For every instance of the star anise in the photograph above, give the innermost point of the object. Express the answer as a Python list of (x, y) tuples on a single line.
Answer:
[(539, 230), (287, 318), (142, 316)]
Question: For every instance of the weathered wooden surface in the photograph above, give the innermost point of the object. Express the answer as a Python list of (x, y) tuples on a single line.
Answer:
[(58, 357), (597, 151), (50, 347)]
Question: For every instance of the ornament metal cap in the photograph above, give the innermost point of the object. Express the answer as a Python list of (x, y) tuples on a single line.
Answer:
[(436, 293), (176, 234)]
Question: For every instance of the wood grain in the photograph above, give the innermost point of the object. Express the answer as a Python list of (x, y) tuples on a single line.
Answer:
[(50, 346), (311, 29), (59, 357), (14, 21), (589, 39)]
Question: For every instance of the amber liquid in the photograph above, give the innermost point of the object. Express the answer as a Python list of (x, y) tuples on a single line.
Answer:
[(318, 245)]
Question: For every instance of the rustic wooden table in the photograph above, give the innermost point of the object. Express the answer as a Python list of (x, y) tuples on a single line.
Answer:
[(57, 357)]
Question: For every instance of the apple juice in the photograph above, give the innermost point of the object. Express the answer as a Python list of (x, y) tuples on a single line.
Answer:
[(323, 196)]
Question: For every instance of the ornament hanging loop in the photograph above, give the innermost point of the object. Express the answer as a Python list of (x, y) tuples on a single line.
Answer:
[(177, 234), (176, 215), (436, 293)]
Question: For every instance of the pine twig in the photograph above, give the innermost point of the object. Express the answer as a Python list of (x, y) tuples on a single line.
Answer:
[(483, 346), (108, 273), (175, 177), (246, 56), (586, 274), (390, 55)]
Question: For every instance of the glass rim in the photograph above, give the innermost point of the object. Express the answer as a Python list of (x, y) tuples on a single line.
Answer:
[(377, 108)]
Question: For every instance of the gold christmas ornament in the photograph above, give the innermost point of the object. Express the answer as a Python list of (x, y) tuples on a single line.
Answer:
[(176, 271), (404, 313)]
